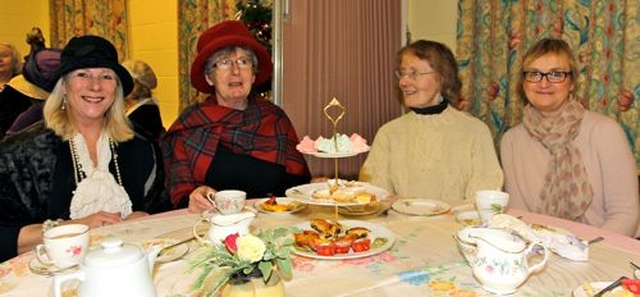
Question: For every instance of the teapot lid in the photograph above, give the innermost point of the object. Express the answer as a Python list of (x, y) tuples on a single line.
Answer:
[(114, 253)]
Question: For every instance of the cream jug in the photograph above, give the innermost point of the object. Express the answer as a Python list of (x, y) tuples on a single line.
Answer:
[(498, 258), (222, 225), (115, 269)]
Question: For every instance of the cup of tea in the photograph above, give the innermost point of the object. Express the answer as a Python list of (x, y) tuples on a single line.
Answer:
[(63, 246), (229, 201), (491, 202)]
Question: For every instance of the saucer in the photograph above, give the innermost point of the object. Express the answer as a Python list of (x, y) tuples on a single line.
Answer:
[(170, 254), (40, 268), (469, 218), (421, 207)]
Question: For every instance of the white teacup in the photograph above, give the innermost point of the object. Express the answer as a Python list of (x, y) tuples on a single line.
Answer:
[(64, 246), (229, 201), (491, 202)]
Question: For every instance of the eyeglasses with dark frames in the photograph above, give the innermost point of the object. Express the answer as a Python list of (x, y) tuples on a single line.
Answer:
[(555, 77), (413, 75)]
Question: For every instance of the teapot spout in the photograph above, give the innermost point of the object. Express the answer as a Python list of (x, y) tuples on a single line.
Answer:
[(152, 255)]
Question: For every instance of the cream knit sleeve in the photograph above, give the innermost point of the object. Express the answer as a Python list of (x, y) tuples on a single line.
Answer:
[(376, 167), (486, 173)]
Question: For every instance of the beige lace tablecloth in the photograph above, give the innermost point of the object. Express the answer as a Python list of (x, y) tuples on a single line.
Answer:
[(424, 260)]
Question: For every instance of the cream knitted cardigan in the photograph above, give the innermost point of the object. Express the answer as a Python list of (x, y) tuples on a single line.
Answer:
[(447, 156)]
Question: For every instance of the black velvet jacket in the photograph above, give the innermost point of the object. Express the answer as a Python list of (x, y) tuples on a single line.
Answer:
[(37, 180)]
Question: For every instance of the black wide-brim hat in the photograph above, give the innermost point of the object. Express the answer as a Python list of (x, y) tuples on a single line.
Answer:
[(224, 34), (91, 51)]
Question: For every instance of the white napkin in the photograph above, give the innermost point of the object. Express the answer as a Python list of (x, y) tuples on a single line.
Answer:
[(559, 241)]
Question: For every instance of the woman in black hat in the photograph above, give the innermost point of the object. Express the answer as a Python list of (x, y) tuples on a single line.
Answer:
[(84, 164), (235, 139)]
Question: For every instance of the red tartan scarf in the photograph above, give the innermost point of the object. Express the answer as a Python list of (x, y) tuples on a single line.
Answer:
[(262, 131)]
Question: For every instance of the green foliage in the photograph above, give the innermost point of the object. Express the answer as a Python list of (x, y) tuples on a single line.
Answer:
[(217, 259)]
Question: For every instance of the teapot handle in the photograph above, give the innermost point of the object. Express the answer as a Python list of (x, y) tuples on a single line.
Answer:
[(538, 266), (58, 280), (194, 230)]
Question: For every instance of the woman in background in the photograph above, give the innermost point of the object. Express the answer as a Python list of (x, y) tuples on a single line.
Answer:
[(10, 63), (563, 160), (434, 150), (22, 99), (142, 108), (235, 139)]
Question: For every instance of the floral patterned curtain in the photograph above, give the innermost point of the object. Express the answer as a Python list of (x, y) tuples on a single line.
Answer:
[(194, 17), (106, 18), (605, 36)]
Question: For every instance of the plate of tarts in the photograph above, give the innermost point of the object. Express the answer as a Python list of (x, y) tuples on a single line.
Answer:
[(345, 193), (339, 240), (279, 205)]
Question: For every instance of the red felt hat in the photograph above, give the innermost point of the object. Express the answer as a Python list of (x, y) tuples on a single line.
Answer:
[(224, 34)]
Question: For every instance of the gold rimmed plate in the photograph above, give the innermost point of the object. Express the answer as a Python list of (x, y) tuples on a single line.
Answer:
[(421, 207), (360, 210), (170, 254), (289, 206)]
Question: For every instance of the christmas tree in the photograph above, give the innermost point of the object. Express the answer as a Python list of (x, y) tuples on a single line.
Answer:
[(257, 16)]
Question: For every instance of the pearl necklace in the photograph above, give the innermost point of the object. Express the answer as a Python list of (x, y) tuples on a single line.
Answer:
[(79, 174)]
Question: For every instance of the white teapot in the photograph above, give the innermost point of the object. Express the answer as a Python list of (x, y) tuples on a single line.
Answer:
[(499, 259), (116, 269), (224, 225)]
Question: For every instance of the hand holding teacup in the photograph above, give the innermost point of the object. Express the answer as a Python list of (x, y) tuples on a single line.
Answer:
[(198, 199), (228, 202), (489, 203), (63, 246)]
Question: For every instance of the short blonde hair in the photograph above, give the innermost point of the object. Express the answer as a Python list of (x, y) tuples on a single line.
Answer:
[(16, 59), (116, 123), (543, 47)]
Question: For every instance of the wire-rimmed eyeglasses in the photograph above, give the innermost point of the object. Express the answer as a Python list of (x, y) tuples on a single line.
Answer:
[(555, 77), (411, 74), (242, 63)]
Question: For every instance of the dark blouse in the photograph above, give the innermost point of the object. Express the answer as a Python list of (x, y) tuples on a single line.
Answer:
[(36, 180), (256, 177), (12, 104), (147, 121)]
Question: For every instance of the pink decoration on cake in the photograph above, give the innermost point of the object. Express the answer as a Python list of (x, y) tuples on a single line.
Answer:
[(307, 145), (358, 143)]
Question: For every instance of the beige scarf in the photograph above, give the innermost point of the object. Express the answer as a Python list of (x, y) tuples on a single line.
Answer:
[(567, 192)]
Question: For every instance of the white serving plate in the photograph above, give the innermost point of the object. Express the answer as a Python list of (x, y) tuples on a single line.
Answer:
[(303, 193), (375, 231), (421, 207), (259, 205)]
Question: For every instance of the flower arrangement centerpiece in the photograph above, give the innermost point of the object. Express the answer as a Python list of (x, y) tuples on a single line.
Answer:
[(245, 257)]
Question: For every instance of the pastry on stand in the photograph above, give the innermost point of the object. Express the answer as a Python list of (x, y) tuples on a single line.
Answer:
[(339, 192)]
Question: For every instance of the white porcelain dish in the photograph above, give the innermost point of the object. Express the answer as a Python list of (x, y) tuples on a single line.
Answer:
[(304, 193), (421, 207), (168, 255), (375, 232), (260, 206)]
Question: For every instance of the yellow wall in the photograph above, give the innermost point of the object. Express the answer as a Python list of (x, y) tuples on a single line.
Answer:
[(154, 35), (433, 20), (154, 39), (17, 19)]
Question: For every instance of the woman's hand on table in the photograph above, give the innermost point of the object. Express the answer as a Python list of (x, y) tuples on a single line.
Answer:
[(135, 215), (98, 219), (198, 201)]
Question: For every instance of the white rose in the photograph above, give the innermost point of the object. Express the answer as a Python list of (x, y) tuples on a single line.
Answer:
[(250, 248)]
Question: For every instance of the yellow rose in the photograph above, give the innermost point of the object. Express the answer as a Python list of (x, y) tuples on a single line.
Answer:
[(250, 248)]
